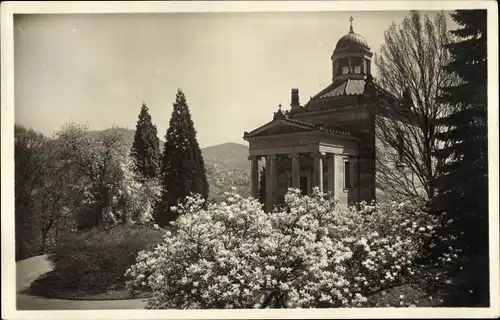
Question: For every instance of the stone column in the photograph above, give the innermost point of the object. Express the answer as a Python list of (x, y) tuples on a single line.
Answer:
[(339, 178), (271, 182), (254, 166), (331, 173), (295, 170), (318, 170)]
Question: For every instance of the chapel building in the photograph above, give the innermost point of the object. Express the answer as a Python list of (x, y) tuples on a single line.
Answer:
[(329, 142)]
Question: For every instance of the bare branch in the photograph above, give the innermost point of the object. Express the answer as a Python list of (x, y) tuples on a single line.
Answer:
[(412, 60)]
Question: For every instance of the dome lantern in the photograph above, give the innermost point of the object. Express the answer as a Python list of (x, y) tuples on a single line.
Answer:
[(351, 58)]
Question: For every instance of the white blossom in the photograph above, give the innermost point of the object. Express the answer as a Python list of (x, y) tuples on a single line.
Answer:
[(234, 254)]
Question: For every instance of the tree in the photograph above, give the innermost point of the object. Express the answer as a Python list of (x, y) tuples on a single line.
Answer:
[(262, 186), (30, 159), (463, 183), (95, 159), (145, 150), (110, 193), (410, 69), (183, 168), (42, 197), (55, 201)]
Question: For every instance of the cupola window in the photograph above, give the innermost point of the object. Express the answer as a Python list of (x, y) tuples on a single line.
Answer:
[(343, 65), (356, 64)]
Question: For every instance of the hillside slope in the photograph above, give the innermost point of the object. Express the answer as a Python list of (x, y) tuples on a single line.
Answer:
[(230, 155), (227, 167)]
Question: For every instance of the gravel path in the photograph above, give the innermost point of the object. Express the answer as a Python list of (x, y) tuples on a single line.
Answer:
[(30, 269)]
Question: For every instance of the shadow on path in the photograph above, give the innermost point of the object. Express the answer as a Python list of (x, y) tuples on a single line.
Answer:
[(30, 269)]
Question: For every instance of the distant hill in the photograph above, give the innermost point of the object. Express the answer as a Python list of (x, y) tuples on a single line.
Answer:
[(231, 155), (227, 165)]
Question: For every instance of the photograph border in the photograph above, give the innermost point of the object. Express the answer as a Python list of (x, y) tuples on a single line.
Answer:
[(8, 9)]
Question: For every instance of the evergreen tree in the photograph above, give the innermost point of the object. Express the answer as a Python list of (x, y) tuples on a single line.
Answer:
[(262, 186), (183, 168), (463, 185), (145, 150)]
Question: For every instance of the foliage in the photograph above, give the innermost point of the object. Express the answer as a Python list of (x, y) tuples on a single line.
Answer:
[(110, 192), (183, 168), (145, 150), (41, 199), (91, 261), (222, 179), (30, 160), (410, 70), (463, 184), (54, 201), (308, 254)]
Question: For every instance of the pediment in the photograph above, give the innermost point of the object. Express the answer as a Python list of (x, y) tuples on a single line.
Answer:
[(279, 127)]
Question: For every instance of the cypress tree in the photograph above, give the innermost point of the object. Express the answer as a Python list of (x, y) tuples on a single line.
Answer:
[(463, 185), (262, 186), (183, 169), (145, 150)]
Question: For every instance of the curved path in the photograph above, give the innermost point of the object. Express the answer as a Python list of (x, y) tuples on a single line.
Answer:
[(30, 269)]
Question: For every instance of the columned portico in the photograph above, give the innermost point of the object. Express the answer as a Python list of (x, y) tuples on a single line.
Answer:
[(312, 174), (296, 154)]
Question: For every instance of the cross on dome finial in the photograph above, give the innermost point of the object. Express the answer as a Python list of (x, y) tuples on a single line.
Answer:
[(351, 30)]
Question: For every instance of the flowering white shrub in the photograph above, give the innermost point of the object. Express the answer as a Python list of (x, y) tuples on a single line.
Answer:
[(136, 197), (132, 200), (309, 254), (105, 186)]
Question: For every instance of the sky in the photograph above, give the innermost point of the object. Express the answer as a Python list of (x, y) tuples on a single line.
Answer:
[(234, 68)]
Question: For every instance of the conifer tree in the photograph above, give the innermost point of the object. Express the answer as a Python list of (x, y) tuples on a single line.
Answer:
[(145, 150), (463, 184), (183, 169), (262, 186)]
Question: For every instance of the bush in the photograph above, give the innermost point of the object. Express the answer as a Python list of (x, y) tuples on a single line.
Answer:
[(92, 261), (309, 254)]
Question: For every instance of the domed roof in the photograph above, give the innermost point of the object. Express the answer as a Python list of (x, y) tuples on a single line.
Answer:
[(352, 40)]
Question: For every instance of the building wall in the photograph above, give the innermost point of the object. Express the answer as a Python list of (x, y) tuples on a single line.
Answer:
[(393, 178)]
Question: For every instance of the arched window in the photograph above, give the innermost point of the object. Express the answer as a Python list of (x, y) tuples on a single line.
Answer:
[(335, 68), (356, 64), (343, 66)]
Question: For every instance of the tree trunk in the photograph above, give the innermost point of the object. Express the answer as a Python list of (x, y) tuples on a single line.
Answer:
[(43, 246)]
